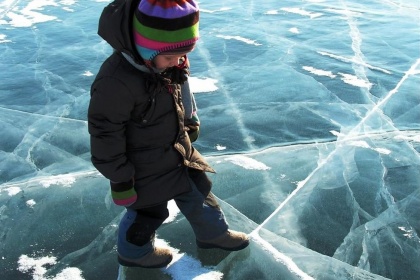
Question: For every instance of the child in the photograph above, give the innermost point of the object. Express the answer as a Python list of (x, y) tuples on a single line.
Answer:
[(142, 121)]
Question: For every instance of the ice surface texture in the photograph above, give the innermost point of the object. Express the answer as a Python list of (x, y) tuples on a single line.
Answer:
[(310, 114)]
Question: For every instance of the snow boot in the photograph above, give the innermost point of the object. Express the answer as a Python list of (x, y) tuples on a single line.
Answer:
[(230, 241), (159, 257)]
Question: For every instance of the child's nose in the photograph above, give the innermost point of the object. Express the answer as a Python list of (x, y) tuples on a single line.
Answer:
[(175, 61)]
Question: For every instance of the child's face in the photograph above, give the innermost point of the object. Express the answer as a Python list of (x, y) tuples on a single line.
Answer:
[(164, 61)]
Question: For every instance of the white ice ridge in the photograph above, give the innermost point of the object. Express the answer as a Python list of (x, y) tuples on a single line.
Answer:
[(412, 71), (42, 116), (288, 262), (215, 11), (358, 58), (347, 78), (247, 163), (352, 60), (65, 180), (319, 72), (344, 12), (302, 12), (400, 5), (239, 38), (46, 181)]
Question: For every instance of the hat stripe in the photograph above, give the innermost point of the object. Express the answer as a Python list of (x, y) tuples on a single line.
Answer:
[(167, 24), (168, 9), (147, 54), (169, 3), (159, 45), (167, 36)]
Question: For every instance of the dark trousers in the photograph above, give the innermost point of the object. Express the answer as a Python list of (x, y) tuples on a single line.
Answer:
[(137, 227)]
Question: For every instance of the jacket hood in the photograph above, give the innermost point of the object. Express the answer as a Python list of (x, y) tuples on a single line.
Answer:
[(115, 27)]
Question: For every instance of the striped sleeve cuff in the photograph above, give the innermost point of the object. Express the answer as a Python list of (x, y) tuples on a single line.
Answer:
[(123, 194)]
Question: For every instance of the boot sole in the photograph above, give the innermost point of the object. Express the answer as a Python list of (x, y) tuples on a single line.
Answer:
[(132, 264), (204, 245)]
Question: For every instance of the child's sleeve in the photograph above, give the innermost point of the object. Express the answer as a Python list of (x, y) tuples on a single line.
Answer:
[(109, 110)]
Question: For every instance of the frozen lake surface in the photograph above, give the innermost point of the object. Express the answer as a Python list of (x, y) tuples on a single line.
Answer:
[(310, 114)]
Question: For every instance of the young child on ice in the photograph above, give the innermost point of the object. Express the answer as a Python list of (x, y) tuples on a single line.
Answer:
[(142, 121)]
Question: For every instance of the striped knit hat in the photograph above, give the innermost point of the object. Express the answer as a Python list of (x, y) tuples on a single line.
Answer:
[(165, 26)]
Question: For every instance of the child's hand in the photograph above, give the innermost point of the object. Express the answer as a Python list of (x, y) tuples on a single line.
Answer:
[(123, 193), (193, 129), (178, 75)]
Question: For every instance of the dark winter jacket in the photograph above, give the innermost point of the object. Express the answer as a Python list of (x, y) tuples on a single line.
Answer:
[(136, 119)]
